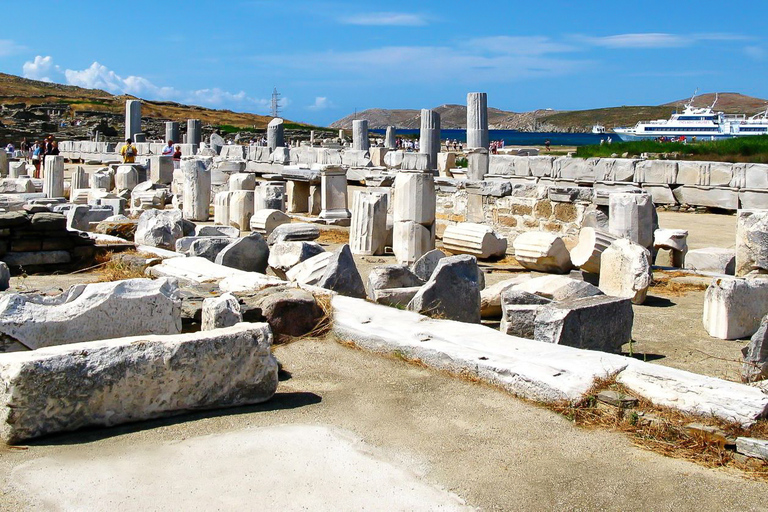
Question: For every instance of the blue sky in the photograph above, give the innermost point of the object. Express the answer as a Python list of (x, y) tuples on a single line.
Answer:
[(329, 58)]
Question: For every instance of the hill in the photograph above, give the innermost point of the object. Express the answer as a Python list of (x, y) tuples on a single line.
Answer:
[(30, 108), (454, 116)]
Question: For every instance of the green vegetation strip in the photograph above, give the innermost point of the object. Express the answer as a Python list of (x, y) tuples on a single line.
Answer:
[(743, 149)]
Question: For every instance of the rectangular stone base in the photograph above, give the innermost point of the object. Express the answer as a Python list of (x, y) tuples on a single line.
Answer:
[(712, 197)]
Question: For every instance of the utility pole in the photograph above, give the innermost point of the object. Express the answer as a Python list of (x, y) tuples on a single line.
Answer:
[(275, 103)]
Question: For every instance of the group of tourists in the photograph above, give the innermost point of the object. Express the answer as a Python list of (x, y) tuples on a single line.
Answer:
[(129, 151), (35, 151)]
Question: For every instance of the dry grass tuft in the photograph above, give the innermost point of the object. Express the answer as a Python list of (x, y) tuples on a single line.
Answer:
[(117, 268), (333, 236), (322, 329), (663, 284)]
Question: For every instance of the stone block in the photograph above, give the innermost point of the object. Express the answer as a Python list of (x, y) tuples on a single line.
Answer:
[(311, 270), (541, 251), (713, 197), (675, 240), (755, 365), (427, 263), (753, 199), (91, 312), (475, 239), (751, 447), (711, 259), (756, 176), (625, 270), (242, 181), (341, 274), (298, 196), (128, 380), (414, 162), (615, 169), (207, 247), (197, 190), (558, 287), (283, 256), (660, 193), (249, 254), (592, 323), (632, 216), (392, 276), (452, 292), (734, 306), (241, 209), (490, 298), (519, 310), (160, 228), (221, 311), (587, 253), (368, 229), (295, 232), (266, 221), (410, 241), (80, 217), (656, 171), (126, 177), (217, 230), (395, 297), (751, 242), (161, 169)]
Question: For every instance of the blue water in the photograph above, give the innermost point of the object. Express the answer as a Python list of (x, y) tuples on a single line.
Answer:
[(515, 138)]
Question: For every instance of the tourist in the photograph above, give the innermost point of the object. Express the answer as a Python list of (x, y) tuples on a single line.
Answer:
[(168, 150), (54, 149), (128, 152), (177, 153), (10, 149), (25, 148), (37, 150), (547, 144)]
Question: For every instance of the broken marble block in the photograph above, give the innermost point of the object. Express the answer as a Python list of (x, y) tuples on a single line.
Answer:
[(242, 181), (126, 177), (294, 232), (593, 323), (478, 240), (452, 292), (89, 312), (734, 306), (427, 263), (490, 298), (368, 228), (545, 252), (592, 243), (221, 311), (341, 274), (752, 242), (241, 204), (310, 270), (249, 253), (128, 379), (283, 256), (217, 230), (755, 365), (632, 216), (207, 247), (717, 260), (674, 240), (160, 228), (391, 276), (197, 190), (80, 217), (519, 309), (558, 287), (265, 221), (625, 270), (411, 240)]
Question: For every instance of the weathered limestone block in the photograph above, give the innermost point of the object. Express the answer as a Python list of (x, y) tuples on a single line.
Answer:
[(128, 379), (558, 287), (79, 179), (298, 196), (275, 134), (592, 323), (283, 256), (270, 196), (221, 203), (632, 216), (452, 292), (656, 171), (446, 162), (217, 230), (478, 163), (207, 247), (427, 263), (355, 158), (17, 186), (478, 240), (545, 252), (592, 243), (341, 274), (734, 306), (159, 228), (395, 297), (15, 169), (241, 204), (755, 366), (753, 199), (711, 259), (490, 298), (311, 270), (368, 229), (625, 270), (541, 166), (615, 169), (295, 232), (519, 310), (249, 253), (280, 156), (577, 169), (80, 217), (53, 176), (266, 221), (221, 311), (751, 242), (755, 176), (391, 276), (92, 312), (429, 136), (161, 169), (103, 179), (242, 181), (415, 197), (126, 178), (415, 162), (377, 156), (394, 159), (197, 190), (713, 197), (410, 241), (752, 447), (675, 240), (477, 120)]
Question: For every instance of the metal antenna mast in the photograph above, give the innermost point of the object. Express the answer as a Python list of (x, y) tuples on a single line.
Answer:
[(275, 103)]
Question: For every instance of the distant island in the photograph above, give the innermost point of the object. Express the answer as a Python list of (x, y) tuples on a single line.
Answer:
[(548, 120)]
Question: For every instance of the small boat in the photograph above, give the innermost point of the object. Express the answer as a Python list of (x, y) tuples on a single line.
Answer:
[(598, 129), (703, 123)]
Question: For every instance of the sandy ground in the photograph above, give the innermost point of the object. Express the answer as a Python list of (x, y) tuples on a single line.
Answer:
[(348, 427)]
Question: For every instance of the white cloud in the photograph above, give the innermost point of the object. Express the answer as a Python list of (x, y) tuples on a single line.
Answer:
[(656, 40), (98, 76), (8, 47), (756, 52), (385, 19), (40, 69), (520, 45), (321, 103)]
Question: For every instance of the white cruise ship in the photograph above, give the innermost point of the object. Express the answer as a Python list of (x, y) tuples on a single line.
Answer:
[(700, 122)]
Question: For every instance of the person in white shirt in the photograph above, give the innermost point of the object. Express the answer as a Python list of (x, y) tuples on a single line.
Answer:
[(168, 150)]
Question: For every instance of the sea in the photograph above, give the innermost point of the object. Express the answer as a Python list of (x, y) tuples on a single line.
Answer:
[(515, 138)]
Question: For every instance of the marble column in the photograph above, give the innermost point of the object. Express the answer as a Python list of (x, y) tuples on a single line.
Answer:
[(360, 135), (79, 179), (390, 141), (429, 136), (132, 118), (368, 230), (194, 132), (333, 194), (197, 190), (275, 134), (172, 132), (53, 178), (477, 120)]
